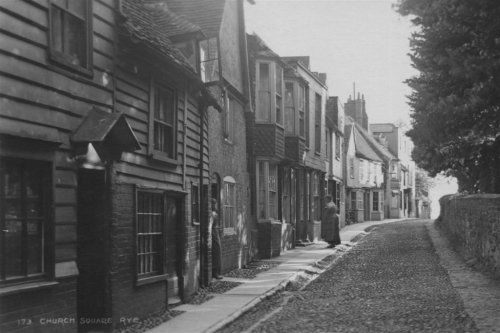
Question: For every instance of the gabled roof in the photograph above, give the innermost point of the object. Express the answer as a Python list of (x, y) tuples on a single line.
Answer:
[(148, 23), (207, 14), (144, 23), (304, 60), (259, 48), (363, 149), (383, 152), (172, 24)]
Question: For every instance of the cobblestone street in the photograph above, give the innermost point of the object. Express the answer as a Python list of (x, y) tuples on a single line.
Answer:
[(392, 281)]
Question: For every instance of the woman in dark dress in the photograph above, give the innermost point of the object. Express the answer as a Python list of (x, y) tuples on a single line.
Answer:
[(330, 223), (216, 244)]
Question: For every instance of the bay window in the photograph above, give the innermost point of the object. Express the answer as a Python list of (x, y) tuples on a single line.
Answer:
[(317, 123), (302, 111), (289, 109), (269, 78), (267, 190)]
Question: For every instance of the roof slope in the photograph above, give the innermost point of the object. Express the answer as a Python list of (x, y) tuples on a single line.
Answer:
[(363, 149), (380, 150), (207, 14), (147, 24)]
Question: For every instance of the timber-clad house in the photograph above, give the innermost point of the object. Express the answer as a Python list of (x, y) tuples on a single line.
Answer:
[(104, 145)]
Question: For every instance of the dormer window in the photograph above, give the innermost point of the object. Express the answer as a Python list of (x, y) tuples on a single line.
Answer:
[(269, 93), (209, 60)]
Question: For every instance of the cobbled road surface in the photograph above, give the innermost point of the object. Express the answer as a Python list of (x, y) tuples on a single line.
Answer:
[(391, 281)]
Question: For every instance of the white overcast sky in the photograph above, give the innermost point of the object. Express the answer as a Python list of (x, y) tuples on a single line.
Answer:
[(361, 41)]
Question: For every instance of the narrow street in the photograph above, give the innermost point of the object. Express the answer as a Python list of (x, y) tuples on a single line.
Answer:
[(391, 281)]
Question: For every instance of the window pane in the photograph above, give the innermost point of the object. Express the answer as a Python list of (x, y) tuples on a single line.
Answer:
[(78, 7), (264, 77), (264, 107), (56, 29), (279, 80), (35, 230), (213, 48), (13, 249), (150, 217), (210, 70), (262, 190), (74, 39)]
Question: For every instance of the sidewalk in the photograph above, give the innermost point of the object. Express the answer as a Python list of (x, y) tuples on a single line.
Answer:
[(224, 308)]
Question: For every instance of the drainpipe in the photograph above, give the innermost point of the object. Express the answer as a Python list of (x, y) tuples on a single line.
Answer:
[(185, 138), (203, 278)]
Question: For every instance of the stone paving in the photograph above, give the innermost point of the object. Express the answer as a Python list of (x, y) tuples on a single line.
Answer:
[(394, 280)]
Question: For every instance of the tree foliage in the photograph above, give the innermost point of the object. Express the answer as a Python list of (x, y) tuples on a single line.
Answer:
[(455, 98)]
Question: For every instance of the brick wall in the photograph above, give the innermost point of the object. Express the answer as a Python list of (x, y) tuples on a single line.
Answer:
[(129, 301), (472, 223), (52, 309)]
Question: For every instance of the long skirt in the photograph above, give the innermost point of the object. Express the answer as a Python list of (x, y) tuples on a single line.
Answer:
[(216, 253)]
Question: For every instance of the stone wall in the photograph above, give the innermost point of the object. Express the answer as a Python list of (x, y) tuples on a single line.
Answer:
[(472, 223)]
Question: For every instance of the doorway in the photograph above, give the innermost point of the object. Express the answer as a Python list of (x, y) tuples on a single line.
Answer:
[(93, 298)]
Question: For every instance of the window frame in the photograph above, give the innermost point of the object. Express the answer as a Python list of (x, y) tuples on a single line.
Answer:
[(155, 153), (274, 94), (229, 204), (162, 273), (375, 201), (316, 196), (61, 58), (47, 229), (290, 113), (338, 145), (217, 59), (264, 189), (302, 111), (195, 203), (318, 110)]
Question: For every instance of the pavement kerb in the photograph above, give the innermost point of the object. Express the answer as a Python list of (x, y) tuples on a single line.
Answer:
[(251, 304), (282, 285), (360, 234)]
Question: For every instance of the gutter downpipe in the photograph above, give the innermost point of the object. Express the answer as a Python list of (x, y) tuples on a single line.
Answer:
[(203, 224)]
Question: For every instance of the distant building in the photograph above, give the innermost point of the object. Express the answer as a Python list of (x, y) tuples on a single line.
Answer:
[(403, 174), (364, 176)]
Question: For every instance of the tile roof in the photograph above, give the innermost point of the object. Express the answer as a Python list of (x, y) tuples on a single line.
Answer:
[(143, 22), (207, 14), (259, 48), (375, 145), (171, 23), (363, 149)]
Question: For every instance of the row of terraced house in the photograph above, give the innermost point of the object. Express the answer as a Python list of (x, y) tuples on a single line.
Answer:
[(122, 119)]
